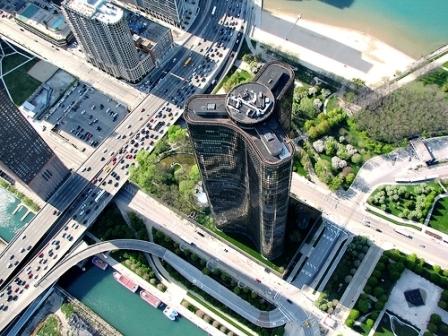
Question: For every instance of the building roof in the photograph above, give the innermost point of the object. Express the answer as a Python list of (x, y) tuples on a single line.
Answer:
[(100, 10), (248, 109), (250, 103)]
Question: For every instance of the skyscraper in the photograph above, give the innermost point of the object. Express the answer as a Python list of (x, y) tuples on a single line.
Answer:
[(24, 156), (170, 11), (245, 157), (102, 30)]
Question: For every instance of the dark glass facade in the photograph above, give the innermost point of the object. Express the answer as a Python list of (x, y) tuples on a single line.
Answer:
[(245, 157), (24, 155)]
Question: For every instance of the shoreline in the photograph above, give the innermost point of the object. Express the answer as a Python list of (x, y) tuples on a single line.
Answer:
[(330, 28), (343, 51)]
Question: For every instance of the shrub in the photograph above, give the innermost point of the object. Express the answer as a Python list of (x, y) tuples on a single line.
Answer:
[(349, 322), (354, 314)]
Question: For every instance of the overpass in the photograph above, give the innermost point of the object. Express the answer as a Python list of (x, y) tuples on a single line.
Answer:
[(266, 319), (75, 208)]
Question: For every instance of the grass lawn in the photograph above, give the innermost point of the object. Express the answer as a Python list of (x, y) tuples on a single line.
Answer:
[(20, 84), (439, 217), (384, 328), (50, 327), (438, 77), (11, 61)]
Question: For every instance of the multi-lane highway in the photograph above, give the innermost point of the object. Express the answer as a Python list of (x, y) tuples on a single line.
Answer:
[(289, 299), (353, 216), (81, 198)]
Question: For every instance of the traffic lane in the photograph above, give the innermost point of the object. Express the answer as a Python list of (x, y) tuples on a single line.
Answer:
[(265, 283)]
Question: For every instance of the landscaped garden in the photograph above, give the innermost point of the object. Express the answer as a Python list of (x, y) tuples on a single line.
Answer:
[(439, 216), (343, 274), (436, 327), (375, 295), (412, 201), (20, 85), (334, 147), (392, 325), (379, 286), (170, 174)]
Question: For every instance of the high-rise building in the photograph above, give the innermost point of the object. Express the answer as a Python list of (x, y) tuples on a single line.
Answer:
[(170, 11), (24, 156), (245, 157), (103, 32)]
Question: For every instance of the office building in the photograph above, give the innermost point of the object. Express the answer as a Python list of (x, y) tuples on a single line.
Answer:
[(103, 32), (245, 157), (24, 156)]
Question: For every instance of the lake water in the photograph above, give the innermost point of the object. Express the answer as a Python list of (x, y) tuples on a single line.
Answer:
[(415, 27), (124, 310), (9, 223)]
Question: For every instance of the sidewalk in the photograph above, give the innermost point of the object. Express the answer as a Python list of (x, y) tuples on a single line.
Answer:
[(358, 282)]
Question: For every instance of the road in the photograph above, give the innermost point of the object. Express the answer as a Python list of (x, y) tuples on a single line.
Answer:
[(75, 65), (106, 169), (267, 284), (268, 319), (354, 218)]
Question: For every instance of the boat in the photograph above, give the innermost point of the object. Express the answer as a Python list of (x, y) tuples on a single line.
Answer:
[(100, 263), (170, 313), (126, 282), (149, 298)]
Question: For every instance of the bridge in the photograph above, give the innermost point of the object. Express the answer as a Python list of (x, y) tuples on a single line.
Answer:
[(266, 319)]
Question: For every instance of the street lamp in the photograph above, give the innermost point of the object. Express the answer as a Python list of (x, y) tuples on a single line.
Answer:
[(295, 23)]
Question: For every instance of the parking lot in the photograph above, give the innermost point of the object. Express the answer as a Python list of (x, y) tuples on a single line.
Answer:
[(85, 116)]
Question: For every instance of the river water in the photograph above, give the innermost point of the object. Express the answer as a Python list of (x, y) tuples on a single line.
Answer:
[(125, 311), (415, 27), (9, 223)]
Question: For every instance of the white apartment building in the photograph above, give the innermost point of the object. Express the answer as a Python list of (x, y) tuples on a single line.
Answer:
[(103, 32)]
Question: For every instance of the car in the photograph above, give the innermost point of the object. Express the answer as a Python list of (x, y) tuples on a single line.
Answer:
[(378, 230)]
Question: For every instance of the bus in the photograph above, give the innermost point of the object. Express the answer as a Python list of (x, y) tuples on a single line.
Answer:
[(213, 10), (97, 198), (403, 232), (188, 61)]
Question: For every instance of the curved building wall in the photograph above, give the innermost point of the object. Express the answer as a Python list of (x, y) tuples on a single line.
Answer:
[(220, 154), (245, 158)]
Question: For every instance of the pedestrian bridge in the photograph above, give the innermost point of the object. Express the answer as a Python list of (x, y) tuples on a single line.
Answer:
[(266, 319)]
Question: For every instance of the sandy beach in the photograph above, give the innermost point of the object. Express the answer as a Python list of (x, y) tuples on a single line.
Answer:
[(345, 52)]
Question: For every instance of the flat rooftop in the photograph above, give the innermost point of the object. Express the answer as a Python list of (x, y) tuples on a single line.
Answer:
[(249, 110), (250, 103), (46, 21), (100, 10)]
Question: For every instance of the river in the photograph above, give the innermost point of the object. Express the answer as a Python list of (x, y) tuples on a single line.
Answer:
[(415, 27), (9, 223), (125, 311)]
